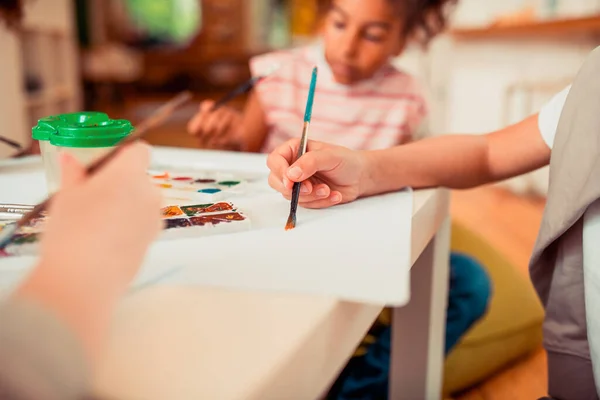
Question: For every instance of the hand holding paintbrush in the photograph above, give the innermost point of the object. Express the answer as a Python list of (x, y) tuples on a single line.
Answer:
[(218, 125), (291, 222), (156, 119)]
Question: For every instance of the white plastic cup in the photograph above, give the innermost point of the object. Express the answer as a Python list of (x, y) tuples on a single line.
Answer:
[(85, 135)]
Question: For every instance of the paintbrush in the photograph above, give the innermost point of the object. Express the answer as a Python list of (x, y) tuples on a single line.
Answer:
[(157, 118), (11, 143), (13, 211), (291, 222), (238, 91), (243, 88)]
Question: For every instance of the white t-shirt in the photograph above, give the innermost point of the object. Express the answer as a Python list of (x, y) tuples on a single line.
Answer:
[(548, 122), (550, 114)]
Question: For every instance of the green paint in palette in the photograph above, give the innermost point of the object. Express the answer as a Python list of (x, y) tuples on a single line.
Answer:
[(229, 183)]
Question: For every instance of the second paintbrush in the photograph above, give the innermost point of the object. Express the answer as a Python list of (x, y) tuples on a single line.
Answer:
[(291, 222)]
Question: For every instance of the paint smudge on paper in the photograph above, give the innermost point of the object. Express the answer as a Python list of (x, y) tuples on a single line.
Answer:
[(171, 211), (177, 223), (204, 180), (222, 206), (216, 219), (25, 238), (194, 210)]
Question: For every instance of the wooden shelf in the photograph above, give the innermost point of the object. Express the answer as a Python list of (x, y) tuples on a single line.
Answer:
[(586, 26)]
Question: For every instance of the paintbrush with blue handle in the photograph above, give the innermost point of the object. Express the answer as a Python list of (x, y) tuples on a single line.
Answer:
[(291, 222)]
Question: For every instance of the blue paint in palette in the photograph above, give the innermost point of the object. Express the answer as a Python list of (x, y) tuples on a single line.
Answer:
[(209, 190)]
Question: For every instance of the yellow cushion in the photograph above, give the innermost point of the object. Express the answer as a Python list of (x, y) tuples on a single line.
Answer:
[(512, 326)]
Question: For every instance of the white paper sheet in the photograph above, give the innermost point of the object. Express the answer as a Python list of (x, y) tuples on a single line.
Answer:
[(358, 251)]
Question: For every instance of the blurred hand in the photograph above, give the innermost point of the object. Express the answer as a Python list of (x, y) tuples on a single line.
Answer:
[(329, 174), (97, 235), (102, 225), (215, 128)]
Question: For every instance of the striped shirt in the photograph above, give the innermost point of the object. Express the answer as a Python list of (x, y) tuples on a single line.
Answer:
[(377, 113)]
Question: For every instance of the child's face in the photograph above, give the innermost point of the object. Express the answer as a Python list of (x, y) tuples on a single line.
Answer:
[(360, 36)]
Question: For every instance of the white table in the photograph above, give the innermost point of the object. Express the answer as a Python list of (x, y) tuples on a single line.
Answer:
[(187, 342)]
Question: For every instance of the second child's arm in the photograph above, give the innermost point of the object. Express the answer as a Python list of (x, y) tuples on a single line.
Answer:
[(254, 129), (228, 128), (459, 161)]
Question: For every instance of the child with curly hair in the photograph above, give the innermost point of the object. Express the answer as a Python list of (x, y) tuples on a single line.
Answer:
[(363, 102)]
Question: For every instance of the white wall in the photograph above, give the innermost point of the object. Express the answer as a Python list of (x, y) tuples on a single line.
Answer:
[(482, 72), (468, 80)]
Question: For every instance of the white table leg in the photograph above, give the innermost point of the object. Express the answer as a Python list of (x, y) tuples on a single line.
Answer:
[(419, 328)]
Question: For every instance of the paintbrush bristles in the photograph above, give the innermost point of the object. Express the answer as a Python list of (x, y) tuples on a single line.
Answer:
[(291, 222)]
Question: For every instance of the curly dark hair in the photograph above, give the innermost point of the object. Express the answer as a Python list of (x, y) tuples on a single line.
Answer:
[(422, 19), (11, 12)]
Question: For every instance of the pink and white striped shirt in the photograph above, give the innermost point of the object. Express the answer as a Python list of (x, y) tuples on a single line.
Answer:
[(377, 113)]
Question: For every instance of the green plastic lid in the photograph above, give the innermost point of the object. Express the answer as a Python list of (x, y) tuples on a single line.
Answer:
[(44, 128), (82, 130)]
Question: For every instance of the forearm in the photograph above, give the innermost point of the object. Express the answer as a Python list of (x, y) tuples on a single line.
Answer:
[(40, 358), (254, 128), (82, 302), (453, 161), (458, 161)]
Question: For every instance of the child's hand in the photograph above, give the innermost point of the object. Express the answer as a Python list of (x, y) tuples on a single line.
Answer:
[(215, 128), (329, 174), (97, 235), (102, 225)]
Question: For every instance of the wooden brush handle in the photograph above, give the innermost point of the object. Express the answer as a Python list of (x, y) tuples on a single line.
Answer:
[(11, 143)]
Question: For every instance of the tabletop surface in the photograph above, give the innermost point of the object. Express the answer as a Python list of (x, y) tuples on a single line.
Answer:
[(359, 251), (184, 341), (189, 342)]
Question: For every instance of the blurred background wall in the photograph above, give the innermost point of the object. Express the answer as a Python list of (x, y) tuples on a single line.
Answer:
[(498, 62)]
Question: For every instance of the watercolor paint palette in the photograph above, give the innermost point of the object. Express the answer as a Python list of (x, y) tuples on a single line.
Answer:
[(204, 187), (181, 221), (203, 219)]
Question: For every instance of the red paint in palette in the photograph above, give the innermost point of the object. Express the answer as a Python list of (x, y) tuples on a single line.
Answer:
[(183, 178)]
